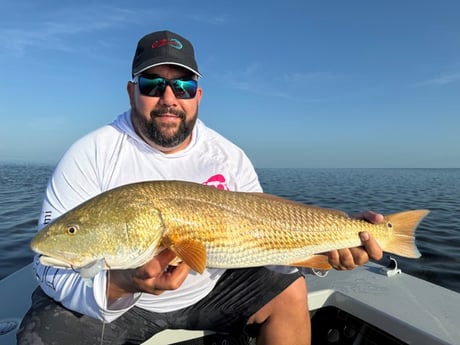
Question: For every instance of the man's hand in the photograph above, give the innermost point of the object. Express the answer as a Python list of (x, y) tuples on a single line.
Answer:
[(153, 277), (347, 259)]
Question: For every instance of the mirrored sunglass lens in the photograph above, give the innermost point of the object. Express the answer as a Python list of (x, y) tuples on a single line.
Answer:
[(155, 87), (184, 88), (152, 87)]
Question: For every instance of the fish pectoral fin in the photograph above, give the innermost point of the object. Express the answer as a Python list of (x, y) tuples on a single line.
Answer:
[(89, 271), (192, 252), (320, 262), (176, 261)]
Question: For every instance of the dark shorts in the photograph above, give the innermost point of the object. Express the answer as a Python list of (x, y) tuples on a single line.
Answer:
[(238, 295)]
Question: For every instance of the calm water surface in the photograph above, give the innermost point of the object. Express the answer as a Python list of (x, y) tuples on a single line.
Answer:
[(351, 190)]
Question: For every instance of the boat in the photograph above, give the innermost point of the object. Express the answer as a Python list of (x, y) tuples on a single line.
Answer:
[(372, 304)]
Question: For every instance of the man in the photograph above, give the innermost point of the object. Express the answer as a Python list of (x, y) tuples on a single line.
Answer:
[(161, 138)]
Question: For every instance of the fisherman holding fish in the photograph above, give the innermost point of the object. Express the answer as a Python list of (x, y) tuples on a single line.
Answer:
[(161, 138)]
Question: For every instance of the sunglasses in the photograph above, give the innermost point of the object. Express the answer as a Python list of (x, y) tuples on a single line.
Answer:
[(154, 86)]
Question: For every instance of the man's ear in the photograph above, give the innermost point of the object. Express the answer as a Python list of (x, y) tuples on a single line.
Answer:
[(130, 87)]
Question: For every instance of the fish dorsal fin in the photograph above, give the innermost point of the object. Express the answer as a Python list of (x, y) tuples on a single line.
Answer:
[(190, 251), (320, 262)]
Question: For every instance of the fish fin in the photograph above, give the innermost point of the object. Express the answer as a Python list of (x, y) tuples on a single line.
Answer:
[(318, 261), (88, 282), (404, 224), (176, 261), (88, 272), (192, 252)]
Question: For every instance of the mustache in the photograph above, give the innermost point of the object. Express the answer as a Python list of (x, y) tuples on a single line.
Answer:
[(164, 111)]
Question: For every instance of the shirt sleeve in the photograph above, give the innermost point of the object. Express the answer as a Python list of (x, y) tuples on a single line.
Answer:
[(247, 178), (74, 181)]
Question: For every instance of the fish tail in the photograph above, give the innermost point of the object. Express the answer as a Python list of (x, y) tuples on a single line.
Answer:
[(404, 224)]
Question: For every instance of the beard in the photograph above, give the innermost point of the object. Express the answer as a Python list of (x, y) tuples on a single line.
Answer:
[(164, 135)]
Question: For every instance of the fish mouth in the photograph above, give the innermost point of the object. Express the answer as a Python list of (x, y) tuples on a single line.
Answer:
[(62, 260), (57, 258), (55, 262)]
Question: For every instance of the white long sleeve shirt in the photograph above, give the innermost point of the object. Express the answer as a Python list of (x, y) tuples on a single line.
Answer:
[(115, 155)]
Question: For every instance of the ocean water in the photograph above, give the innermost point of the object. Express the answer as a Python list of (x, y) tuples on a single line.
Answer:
[(21, 193), (351, 190)]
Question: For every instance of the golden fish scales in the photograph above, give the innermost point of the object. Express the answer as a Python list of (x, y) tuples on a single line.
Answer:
[(205, 226)]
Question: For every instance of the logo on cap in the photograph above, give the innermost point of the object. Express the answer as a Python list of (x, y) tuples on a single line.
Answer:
[(175, 43)]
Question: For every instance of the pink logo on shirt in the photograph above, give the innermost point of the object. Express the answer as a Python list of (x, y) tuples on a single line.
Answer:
[(217, 181)]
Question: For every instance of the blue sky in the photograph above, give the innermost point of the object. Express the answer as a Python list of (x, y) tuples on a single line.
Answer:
[(294, 83)]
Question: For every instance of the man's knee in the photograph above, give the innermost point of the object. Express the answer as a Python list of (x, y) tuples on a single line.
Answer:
[(292, 300), (294, 297), (48, 322)]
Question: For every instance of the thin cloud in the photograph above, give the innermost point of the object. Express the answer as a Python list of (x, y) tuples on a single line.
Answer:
[(249, 80), (440, 81), (53, 31)]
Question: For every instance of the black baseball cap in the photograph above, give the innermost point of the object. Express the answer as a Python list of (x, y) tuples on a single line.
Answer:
[(164, 48)]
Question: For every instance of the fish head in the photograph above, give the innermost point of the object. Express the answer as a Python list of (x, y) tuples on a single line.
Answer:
[(72, 240), (99, 229)]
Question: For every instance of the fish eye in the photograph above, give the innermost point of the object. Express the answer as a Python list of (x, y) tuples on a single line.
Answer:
[(72, 229), (390, 225)]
